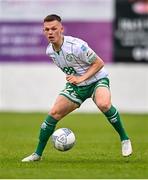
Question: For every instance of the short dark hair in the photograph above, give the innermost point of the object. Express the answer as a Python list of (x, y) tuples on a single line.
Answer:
[(52, 17)]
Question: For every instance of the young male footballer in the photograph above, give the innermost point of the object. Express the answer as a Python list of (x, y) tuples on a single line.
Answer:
[(86, 78)]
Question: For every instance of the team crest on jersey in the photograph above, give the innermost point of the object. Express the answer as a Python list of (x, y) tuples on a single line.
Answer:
[(70, 57)]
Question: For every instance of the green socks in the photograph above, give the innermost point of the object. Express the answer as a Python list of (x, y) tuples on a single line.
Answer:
[(114, 118), (47, 128)]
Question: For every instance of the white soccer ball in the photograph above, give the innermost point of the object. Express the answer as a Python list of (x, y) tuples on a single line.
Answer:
[(63, 139)]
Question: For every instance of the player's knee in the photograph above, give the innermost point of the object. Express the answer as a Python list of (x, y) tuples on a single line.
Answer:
[(55, 113), (104, 106)]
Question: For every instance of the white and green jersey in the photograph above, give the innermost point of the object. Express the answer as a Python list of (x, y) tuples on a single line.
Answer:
[(75, 58)]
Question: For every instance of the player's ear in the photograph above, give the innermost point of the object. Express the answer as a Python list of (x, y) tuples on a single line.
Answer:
[(43, 29), (44, 32), (62, 29)]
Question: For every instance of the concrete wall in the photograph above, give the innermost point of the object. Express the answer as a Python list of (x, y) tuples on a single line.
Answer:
[(34, 87)]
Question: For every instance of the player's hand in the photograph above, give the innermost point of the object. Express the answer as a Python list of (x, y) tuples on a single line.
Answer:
[(74, 79)]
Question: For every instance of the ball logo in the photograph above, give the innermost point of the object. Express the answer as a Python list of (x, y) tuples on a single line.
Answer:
[(67, 131), (62, 139)]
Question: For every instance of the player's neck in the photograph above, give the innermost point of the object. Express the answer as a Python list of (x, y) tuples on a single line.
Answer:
[(57, 46)]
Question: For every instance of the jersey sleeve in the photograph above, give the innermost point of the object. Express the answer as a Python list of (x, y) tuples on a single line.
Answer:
[(86, 54)]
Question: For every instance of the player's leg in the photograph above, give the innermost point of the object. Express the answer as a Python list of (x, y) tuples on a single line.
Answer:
[(102, 99), (103, 102), (61, 107)]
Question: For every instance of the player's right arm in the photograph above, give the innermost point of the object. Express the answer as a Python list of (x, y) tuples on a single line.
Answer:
[(95, 66), (95, 63)]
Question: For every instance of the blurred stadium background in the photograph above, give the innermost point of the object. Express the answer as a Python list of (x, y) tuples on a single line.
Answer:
[(29, 83), (116, 30)]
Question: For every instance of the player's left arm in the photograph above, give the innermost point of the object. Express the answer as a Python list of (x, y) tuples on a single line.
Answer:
[(95, 66)]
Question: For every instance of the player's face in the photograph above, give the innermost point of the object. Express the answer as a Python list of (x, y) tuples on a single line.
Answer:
[(53, 31)]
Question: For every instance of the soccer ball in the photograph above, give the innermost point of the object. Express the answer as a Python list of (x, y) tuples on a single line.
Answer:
[(63, 139)]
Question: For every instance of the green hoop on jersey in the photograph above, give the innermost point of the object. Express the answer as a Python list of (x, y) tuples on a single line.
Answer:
[(78, 94)]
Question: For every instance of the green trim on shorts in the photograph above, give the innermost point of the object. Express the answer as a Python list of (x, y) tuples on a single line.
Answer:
[(77, 101), (104, 82)]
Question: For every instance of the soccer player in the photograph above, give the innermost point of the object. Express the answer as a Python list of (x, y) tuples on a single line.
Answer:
[(86, 78)]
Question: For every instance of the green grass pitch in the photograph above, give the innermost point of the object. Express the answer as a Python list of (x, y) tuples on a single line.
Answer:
[(96, 154)]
